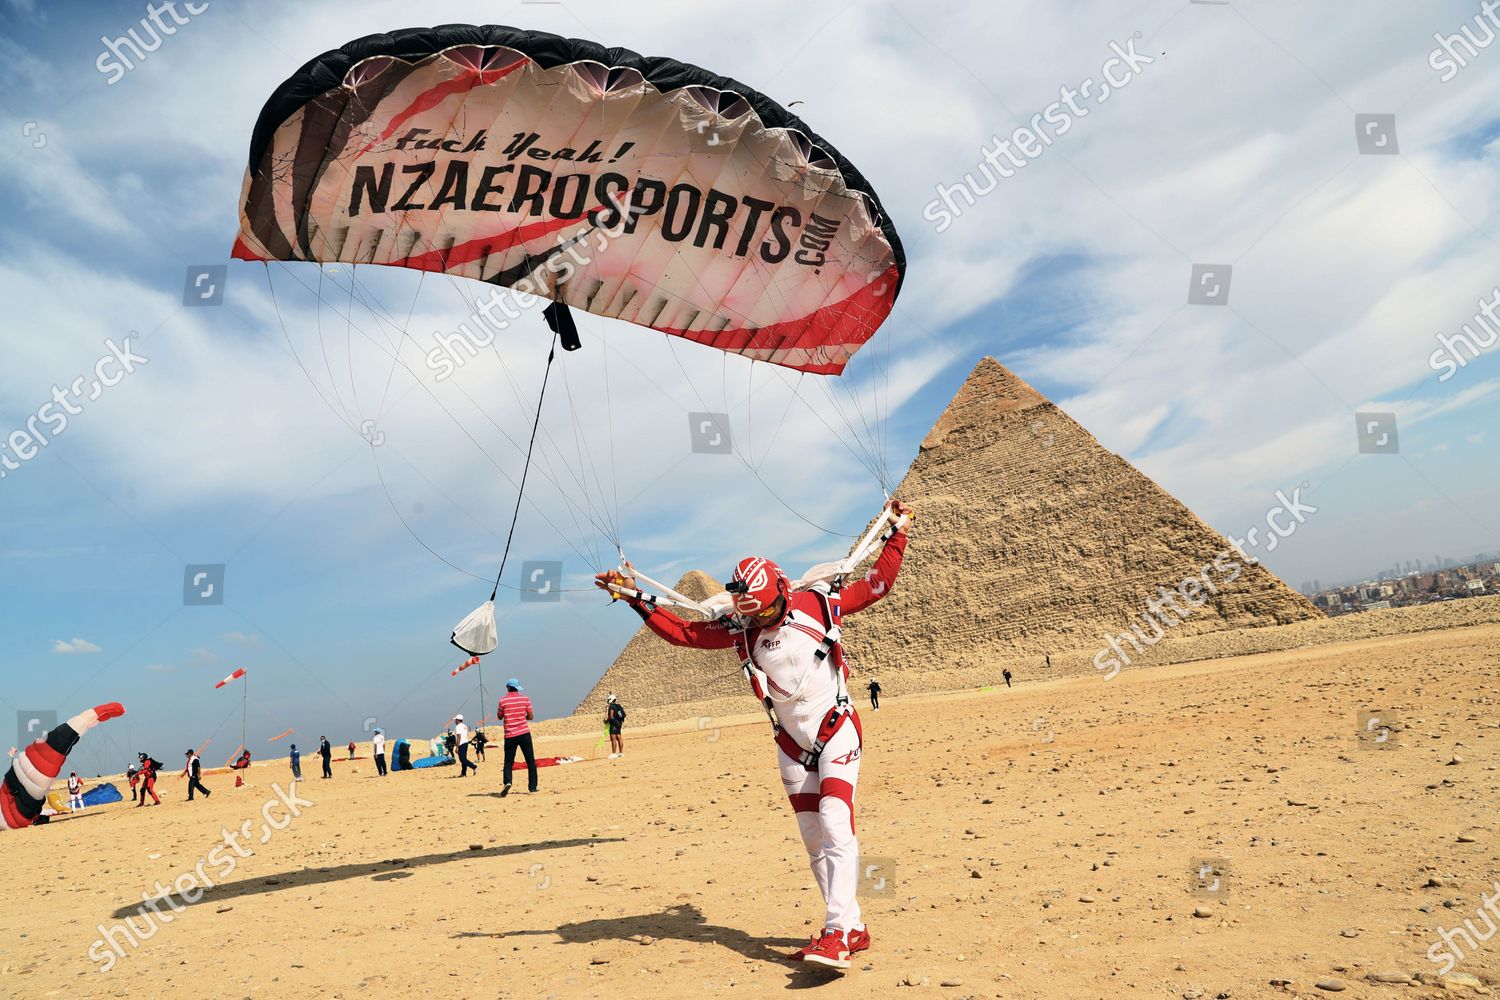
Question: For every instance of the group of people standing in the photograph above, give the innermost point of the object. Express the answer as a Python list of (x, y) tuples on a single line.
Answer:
[(515, 712)]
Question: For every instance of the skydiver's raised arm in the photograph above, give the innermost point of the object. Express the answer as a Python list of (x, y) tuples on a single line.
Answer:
[(680, 632), (882, 576), (675, 630)]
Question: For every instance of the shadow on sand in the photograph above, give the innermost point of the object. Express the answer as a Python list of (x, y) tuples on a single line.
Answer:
[(303, 878), (684, 922)]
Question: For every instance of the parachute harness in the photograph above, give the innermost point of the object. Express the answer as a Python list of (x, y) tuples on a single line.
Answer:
[(829, 651)]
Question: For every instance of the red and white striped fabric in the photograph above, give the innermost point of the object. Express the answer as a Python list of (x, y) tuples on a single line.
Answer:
[(232, 677), (24, 789), (512, 709)]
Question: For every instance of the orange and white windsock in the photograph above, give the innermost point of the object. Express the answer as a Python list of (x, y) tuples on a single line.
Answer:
[(471, 661), (24, 791), (232, 677)]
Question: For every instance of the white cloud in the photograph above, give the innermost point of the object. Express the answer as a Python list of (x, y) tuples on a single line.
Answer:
[(73, 646), (242, 639)]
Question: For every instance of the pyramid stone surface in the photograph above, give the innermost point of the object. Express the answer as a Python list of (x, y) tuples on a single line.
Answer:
[(1031, 538)]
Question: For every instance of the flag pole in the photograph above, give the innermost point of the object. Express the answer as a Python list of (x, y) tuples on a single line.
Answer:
[(480, 667)]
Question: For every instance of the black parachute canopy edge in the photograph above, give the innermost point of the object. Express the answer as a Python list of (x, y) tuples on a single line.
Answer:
[(327, 71)]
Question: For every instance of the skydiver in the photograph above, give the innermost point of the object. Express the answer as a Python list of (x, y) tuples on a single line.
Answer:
[(785, 635), (325, 750)]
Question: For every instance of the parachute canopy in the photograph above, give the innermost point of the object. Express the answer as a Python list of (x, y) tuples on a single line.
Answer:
[(633, 187)]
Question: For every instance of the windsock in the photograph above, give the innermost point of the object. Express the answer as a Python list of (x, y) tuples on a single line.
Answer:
[(232, 677), (32, 771), (471, 661)]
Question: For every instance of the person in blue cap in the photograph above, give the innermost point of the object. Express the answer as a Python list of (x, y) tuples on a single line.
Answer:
[(515, 712)]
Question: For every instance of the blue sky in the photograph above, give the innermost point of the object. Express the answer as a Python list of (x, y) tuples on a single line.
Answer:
[(1235, 145)]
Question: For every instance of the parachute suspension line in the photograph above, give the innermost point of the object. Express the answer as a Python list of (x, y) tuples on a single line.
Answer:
[(586, 466), (521, 490), (323, 347), (771, 445), (609, 409), (396, 353), (740, 455), (385, 488), (349, 349), (591, 513), (343, 418), (451, 418)]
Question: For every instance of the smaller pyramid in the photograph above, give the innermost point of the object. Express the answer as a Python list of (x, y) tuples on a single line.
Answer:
[(649, 671)]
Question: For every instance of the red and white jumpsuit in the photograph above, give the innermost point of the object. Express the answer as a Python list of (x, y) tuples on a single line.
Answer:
[(803, 690)]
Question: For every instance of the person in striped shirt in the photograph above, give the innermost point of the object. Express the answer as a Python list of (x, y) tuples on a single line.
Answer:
[(515, 711)]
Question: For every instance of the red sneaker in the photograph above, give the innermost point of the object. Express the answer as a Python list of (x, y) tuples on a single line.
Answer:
[(859, 940), (830, 950), (801, 952)]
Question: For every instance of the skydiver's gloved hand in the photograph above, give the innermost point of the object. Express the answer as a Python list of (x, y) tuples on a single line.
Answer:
[(603, 581)]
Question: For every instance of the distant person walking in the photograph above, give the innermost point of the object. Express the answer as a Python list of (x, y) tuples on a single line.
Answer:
[(351, 749), (325, 750), (377, 745), (194, 774), (614, 721), (296, 763), (479, 741), (515, 710), (75, 792), (461, 739), (875, 694), (1049, 661), (150, 766), (1006, 674)]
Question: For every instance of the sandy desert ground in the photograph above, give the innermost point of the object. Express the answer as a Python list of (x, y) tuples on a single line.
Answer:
[(1204, 829)]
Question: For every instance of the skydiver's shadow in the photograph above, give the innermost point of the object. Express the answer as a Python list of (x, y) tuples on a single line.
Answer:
[(684, 922), (305, 877)]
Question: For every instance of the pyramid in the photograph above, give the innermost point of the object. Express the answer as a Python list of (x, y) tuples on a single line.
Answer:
[(1031, 538)]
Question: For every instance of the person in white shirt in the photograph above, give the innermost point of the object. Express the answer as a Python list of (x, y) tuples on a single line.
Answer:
[(461, 738), (377, 745)]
